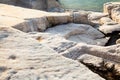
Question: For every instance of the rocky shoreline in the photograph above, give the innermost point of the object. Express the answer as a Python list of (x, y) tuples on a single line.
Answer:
[(39, 45)]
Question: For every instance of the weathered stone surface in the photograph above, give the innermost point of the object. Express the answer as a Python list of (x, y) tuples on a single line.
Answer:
[(79, 33), (34, 4), (53, 6), (74, 51), (26, 19), (109, 28), (107, 21), (107, 69), (109, 6), (8, 1), (115, 14), (113, 9), (59, 18), (25, 58), (29, 20), (109, 53), (91, 60), (94, 18), (97, 15), (39, 55), (81, 17)]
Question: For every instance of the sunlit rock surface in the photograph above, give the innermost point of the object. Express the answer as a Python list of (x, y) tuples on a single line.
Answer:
[(79, 33), (41, 45)]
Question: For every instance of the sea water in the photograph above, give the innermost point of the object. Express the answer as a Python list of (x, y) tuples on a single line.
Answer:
[(92, 5)]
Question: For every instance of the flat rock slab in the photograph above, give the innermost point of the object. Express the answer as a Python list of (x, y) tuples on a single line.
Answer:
[(79, 33), (23, 58)]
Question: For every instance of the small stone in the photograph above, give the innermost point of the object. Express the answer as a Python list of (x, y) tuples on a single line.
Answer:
[(118, 41), (13, 57), (2, 68)]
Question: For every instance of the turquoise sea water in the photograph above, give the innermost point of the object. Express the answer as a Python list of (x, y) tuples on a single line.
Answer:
[(94, 5)]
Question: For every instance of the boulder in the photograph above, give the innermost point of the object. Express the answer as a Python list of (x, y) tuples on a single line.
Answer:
[(115, 14), (113, 9), (109, 6)]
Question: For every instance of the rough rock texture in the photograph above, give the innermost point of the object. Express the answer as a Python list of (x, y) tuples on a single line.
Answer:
[(94, 18), (53, 5), (115, 14), (39, 55), (79, 33), (108, 7), (33, 20), (72, 50), (107, 21), (35, 4), (113, 9), (107, 69), (97, 15), (25, 58), (109, 28), (111, 25)]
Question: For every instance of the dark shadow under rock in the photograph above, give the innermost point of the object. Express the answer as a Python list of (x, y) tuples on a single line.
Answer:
[(113, 38)]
